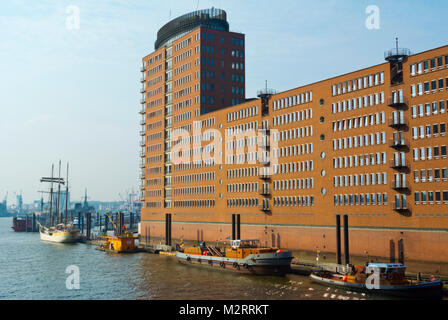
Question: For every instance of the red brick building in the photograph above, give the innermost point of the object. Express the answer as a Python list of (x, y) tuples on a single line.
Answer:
[(370, 144)]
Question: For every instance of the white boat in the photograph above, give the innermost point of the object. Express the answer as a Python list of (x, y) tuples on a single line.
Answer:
[(60, 234)]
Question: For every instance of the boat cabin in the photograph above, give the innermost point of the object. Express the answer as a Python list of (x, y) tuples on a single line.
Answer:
[(240, 249), (124, 243)]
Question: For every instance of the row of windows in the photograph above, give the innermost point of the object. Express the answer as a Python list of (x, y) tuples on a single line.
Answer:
[(360, 160), (360, 141), (155, 92), (155, 70), (154, 81), (154, 125), (154, 182), (182, 68), (294, 201), (182, 105), (360, 199), (299, 166), (293, 184), (242, 172), (153, 193), (154, 136), (153, 204), (194, 190), (358, 84), (206, 176), (367, 179), (183, 44), (154, 114), (154, 103), (243, 187), (428, 86), (302, 115), (183, 56), (183, 117), (424, 175), (422, 197), (183, 80), (246, 202), (237, 78), (154, 148), (193, 165), (296, 150), (294, 100), (427, 153), (429, 131), (360, 121), (417, 68), (194, 204), (429, 108), (154, 59), (357, 103), (154, 170), (295, 133), (154, 159)]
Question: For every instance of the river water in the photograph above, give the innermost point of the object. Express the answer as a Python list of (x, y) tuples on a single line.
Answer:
[(32, 269)]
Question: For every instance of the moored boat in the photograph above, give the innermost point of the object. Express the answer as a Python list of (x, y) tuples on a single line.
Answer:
[(243, 256), (390, 281), (60, 234)]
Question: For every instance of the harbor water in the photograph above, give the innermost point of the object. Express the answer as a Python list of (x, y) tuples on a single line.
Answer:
[(32, 269)]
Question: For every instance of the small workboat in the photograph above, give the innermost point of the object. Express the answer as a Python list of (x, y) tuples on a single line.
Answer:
[(243, 256), (390, 280), (120, 242)]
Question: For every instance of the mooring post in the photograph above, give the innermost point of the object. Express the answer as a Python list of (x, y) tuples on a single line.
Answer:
[(346, 241), (338, 239), (238, 227), (233, 227)]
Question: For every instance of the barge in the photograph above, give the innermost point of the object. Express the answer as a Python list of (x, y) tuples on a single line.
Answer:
[(242, 256)]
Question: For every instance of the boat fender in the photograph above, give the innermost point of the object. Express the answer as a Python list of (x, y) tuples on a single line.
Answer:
[(188, 259), (222, 264), (236, 265), (210, 262), (246, 266), (199, 260)]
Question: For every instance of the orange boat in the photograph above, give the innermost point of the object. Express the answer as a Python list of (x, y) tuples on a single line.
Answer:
[(243, 256)]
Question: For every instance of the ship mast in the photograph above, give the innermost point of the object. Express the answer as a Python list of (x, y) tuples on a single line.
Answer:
[(66, 198), (59, 195), (51, 197)]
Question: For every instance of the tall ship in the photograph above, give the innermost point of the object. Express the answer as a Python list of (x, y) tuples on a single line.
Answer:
[(58, 228)]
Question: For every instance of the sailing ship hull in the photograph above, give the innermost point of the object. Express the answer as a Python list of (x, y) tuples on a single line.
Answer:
[(425, 290), (258, 264), (59, 236)]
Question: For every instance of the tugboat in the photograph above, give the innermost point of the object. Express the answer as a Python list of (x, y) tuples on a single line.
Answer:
[(242, 256), (392, 281)]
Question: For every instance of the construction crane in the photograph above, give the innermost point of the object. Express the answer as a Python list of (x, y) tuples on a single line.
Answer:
[(111, 220)]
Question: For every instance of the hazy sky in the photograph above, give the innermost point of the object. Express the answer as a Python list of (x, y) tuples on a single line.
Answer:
[(73, 94)]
